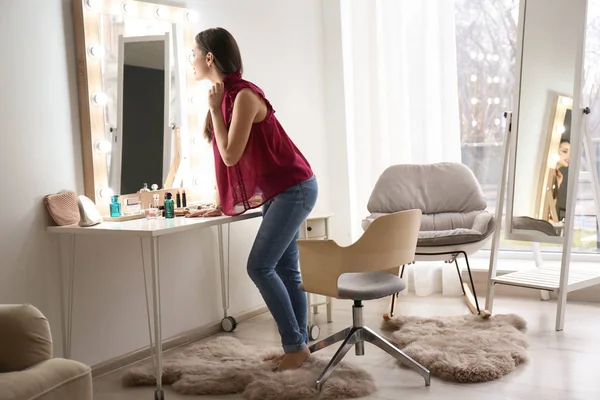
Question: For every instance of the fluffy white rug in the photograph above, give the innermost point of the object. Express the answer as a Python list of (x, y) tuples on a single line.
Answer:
[(225, 366), (463, 349)]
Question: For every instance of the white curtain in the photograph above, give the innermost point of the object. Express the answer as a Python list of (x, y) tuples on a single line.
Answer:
[(401, 97)]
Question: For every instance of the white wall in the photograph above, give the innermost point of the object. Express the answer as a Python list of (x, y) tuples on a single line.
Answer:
[(282, 46), (550, 45)]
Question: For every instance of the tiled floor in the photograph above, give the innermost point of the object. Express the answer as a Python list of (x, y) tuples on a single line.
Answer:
[(563, 365)]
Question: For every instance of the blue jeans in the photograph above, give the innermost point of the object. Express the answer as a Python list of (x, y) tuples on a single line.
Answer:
[(273, 262)]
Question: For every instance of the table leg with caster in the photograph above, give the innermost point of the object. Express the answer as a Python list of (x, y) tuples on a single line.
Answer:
[(228, 323), (158, 393), (67, 305)]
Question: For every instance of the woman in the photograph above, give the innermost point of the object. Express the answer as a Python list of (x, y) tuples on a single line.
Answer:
[(257, 165), (559, 192)]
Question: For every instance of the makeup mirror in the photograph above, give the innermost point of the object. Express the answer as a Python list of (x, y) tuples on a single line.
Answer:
[(139, 102), (552, 41), (142, 146)]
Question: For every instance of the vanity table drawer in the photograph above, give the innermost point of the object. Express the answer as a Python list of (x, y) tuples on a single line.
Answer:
[(316, 229)]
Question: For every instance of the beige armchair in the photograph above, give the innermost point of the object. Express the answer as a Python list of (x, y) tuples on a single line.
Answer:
[(27, 368), (454, 223), (366, 270)]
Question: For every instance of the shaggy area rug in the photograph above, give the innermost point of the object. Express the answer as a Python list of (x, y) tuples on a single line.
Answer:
[(464, 349), (226, 366)]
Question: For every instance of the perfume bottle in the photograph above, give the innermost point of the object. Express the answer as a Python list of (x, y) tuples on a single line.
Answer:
[(169, 206), (115, 206), (151, 212)]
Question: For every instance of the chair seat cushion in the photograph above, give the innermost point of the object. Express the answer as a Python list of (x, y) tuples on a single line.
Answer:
[(449, 237), (448, 230), (55, 379), (368, 285)]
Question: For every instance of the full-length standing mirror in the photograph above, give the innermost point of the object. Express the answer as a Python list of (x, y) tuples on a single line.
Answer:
[(546, 141), (544, 123)]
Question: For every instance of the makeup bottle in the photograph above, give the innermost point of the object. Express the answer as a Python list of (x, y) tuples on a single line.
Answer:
[(151, 212), (115, 206), (169, 206), (178, 199), (159, 209), (183, 199)]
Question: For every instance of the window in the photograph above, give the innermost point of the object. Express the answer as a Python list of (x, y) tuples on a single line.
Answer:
[(486, 36)]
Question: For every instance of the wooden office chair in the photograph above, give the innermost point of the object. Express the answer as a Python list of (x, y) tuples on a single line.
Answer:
[(365, 270)]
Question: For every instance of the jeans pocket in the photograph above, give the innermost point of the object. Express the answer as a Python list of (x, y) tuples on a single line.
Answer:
[(309, 193)]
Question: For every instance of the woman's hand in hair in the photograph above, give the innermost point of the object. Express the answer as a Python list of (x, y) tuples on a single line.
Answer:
[(215, 96)]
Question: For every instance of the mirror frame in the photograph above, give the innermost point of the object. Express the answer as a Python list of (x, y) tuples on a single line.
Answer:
[(89, 81), (576, 119)]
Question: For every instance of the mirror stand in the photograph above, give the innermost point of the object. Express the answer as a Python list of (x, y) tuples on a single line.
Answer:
[(546, 279)]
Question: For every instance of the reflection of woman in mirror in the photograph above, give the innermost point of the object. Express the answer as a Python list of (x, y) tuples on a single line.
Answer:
[(559, 180), (257, 164)]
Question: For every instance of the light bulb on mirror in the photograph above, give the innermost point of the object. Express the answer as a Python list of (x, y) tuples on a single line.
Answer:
[(99, 98), (473, 101), (474, 124), (191, 16), (127, 7), (191, 58), (91, 3), (103, 146), (561, 129), (162, 12), (106, 193), (96, 51), (555, 158), (497, 121), (473, 78)]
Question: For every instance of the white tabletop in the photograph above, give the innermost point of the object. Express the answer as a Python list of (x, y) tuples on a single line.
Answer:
[(149, 228), (319, 216)]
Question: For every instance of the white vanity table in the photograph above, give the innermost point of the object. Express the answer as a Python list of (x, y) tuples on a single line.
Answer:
[(153, 230)]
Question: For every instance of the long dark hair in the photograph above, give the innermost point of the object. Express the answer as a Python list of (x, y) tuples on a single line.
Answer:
[(227, 58), (555, 179)]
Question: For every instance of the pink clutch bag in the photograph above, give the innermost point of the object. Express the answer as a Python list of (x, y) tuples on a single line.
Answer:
[(63, 207)]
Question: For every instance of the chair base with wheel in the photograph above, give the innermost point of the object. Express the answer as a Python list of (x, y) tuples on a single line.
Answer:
[(365, 270), (356, 336)]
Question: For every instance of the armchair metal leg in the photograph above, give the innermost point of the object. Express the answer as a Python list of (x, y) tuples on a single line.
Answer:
[(333, 339), (393, 298), (349, 342), (472, 297), (462, 284), (373, 337)]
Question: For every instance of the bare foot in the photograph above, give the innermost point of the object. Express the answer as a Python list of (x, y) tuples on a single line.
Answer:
[(273, 357), (293, 360)]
